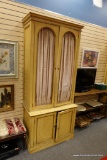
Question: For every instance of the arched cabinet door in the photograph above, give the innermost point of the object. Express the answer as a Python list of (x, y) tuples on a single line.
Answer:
[(46, 44), (66, 66)]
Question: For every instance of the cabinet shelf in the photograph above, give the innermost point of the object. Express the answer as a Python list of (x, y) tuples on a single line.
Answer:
[(89, 109), (91, 92), (84, 118)]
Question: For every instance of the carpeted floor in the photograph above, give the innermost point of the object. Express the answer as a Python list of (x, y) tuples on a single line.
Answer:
[(88, 144)]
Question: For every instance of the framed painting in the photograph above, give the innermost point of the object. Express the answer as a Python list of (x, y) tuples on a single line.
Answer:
[(8, 59), (6, 98), (90, 58)]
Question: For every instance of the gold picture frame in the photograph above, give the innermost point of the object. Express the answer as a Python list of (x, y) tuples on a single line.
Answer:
[(90, 58), (6, 98), (8, 59)]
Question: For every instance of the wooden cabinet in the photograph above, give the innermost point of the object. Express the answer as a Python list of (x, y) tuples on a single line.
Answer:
[(51, 50)]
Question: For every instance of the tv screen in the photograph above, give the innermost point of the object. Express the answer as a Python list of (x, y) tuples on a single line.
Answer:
[(85, 79)]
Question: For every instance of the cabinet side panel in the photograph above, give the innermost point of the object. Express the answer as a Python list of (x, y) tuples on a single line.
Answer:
[(27, 67), (29, 123)]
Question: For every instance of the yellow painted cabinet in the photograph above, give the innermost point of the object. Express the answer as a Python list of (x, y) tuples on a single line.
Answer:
[(51, 48)]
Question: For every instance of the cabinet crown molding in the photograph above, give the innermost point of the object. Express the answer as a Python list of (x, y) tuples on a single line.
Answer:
[(51, 18)]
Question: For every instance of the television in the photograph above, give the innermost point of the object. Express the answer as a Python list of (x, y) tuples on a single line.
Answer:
[(85, 79)]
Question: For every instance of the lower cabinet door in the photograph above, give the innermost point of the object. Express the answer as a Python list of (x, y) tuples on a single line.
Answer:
[(65, 124), (44, 129)]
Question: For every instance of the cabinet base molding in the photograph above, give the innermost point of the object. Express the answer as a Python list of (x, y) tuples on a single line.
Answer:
[(32, 150)]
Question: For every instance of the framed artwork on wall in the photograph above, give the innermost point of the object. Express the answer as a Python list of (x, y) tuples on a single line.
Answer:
[(90, 58), (8, 59), (6, 98)]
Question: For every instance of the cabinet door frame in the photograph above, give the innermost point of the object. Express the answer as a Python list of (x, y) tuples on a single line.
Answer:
[(76, 34), (37, 27), (36, 143), (71, 124)]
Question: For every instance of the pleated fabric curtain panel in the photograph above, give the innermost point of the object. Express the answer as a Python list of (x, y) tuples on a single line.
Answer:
[(45, 64), (66, 70)]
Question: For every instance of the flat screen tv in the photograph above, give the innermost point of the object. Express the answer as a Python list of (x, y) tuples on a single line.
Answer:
[(85, 79)]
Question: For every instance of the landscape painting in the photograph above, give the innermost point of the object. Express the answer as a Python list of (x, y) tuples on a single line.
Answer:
[(6, 98)]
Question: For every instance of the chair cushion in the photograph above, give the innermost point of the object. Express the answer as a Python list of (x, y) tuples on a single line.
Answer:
[(11, 126)]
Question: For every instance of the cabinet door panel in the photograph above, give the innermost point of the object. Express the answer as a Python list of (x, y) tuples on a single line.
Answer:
[(46, 44), (65, 124), (45, 128), (66, 65)]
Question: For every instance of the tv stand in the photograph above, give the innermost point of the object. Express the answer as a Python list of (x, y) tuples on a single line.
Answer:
[(84, 90), (84, 118)]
